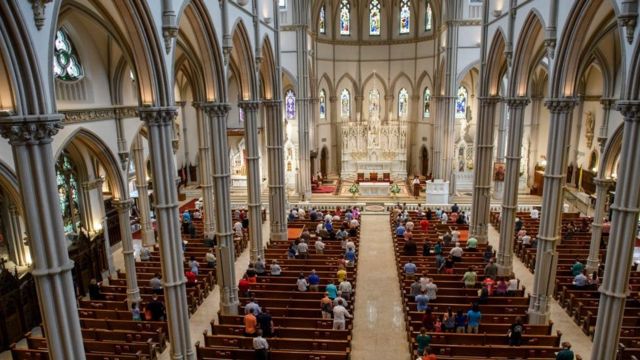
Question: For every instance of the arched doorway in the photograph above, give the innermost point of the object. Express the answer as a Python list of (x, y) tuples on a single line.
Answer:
[(424, 161), (324, 158)]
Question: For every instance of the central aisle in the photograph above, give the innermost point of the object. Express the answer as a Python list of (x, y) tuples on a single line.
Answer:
[(378, 326)]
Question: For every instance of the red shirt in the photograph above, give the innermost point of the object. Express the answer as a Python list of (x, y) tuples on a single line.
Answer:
[(191, 277), (424, 224), (244, 285)]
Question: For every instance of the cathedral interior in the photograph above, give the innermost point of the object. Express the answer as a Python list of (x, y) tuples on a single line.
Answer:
[(449, 179)]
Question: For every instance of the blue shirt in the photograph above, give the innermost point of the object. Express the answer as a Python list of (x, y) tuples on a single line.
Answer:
[(314, 279), (400, 231), (410, 268), (328, 226), (580, 280), (474, 317), (423, 302), (186, 217), (332, 290), (350, 255)]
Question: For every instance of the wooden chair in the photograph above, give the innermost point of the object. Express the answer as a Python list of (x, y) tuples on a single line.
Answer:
[(373, 176), (360, 177), (386, 177)]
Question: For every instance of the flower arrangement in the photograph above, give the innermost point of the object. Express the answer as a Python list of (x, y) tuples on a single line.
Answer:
[(354, 189), (394, 189)]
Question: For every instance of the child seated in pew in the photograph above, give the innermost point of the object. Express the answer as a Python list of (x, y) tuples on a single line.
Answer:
[(135, 312)]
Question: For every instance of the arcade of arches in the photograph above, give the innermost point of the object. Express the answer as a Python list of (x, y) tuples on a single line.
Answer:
[(156, 155)]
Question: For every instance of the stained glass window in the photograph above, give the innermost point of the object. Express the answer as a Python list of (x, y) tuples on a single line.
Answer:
[(323, 104), (428, 17), (67, 181), (461, 103), (374, 103), (345, 17), (290, 100), (241, 116), (426, 103), (66, 65), (405, 16), (403, 103), (345, 103), (321, 22), (374, 17)]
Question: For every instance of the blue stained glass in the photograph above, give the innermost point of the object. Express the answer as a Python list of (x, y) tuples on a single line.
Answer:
[(290, 101), (374, 17), (461, 103), (345, 17), (405, 17)]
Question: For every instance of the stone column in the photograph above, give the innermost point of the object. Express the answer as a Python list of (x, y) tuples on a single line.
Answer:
[(551, 217), (481, 201), (124, 213), (159, 121), (517, 106), (275, 153), (624, 220), (123, 152), (225, 268), (86, 213), (30, 138), (13, 232), (187, 163), (602, 187), (503, 128), (533, 150), (206, 179), (437, 139), (144, 205), (253, 176)]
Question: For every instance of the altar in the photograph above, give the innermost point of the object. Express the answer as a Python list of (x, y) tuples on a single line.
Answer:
[(374, 189)]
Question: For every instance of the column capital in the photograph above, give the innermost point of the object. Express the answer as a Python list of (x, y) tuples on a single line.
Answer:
[(630, 109), (560, 105), (249, 105), (489, 100), (517, 102), (216, 108), (333, 98), (272, 103), (388, 97), (30, 129), (607, 103), (603, 182), (157, 116), (122, 205), (358, 97)]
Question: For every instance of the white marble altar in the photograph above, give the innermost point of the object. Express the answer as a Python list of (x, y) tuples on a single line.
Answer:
[(374, 189), (437, 192)]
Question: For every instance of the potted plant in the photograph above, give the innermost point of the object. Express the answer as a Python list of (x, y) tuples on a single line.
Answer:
[(354, 189), (394, 189)]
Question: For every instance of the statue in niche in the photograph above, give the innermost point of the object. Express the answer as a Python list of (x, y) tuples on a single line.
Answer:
[(590, 123)]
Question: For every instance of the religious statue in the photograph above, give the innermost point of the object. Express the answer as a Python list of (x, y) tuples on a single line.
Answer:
[(590, 123)]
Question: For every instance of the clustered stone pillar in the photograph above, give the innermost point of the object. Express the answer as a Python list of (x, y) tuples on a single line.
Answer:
[(481, 201), (206, 180), (13, 231), (624, 220), (516, 107), (225, 267), (144, 205), (159, 121), (250, 109), (275, 154), (551, 217), (30, 137), (503, 128), (123, 207), (437, 138)]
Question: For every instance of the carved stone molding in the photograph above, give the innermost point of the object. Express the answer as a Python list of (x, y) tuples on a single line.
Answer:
[(630, 109), (35, 129), (158, 116), (517, 102), (249, 105), (272, 103), (562, 105), (85, 115), (38, 7), (216, 109), (122, 205)]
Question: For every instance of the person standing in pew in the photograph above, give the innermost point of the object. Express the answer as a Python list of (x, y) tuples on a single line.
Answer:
[(275, 268), (456, 253), (423, 340), (265, 323), (351, 257), (194, 265), (339, 299), (250, 324), (303, 250), (244, 286), (95, 293), (431, 289), (302, 284), (340, 313), (192, 279), (346, 289), (472, 244), (155, 310), (400, 230), (461, 322), (410, 247), (473, 317), (210, 259), (422, 301), (577, 268), (566, 353), (341, 275), (501, 287), (314, 281), (326, 306), (449, 265), (449, 321), (155, 283), (426, 248), (491, 270), (424, 225), (488, 253), (260, 347), (332, 290), (252, 305), (515, 333), (580, 280), (470, 277), (512, 289), (135, 312), (319, 245)]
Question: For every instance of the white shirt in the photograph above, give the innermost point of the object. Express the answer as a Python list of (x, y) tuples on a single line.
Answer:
[(534, 213), (260, 343), (318, 228), (350, 245), (303, 247), (444, 217), (275, 269), (345, 287), (301, 213), (526, 240), (416, 181), (210, 257), (237, 227), (339, 313), (328, 217), (455, 235), (319, 245), (336, 218), (410, 225), (302, 284), (513, 285), (432, 289), (456, 251), (354, 223)]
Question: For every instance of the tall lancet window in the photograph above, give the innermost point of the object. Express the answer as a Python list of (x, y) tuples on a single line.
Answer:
[(403, 103), (405, 16), (67, 181), (345, 103), (66, 65), (374, 17), (345, 17), (322, 21), (461, 103), (290, 103), (374, 103), (428, 17), (426, 103), (323, 104)]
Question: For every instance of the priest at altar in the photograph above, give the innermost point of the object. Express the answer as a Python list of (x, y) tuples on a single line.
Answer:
[(416, 187)]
